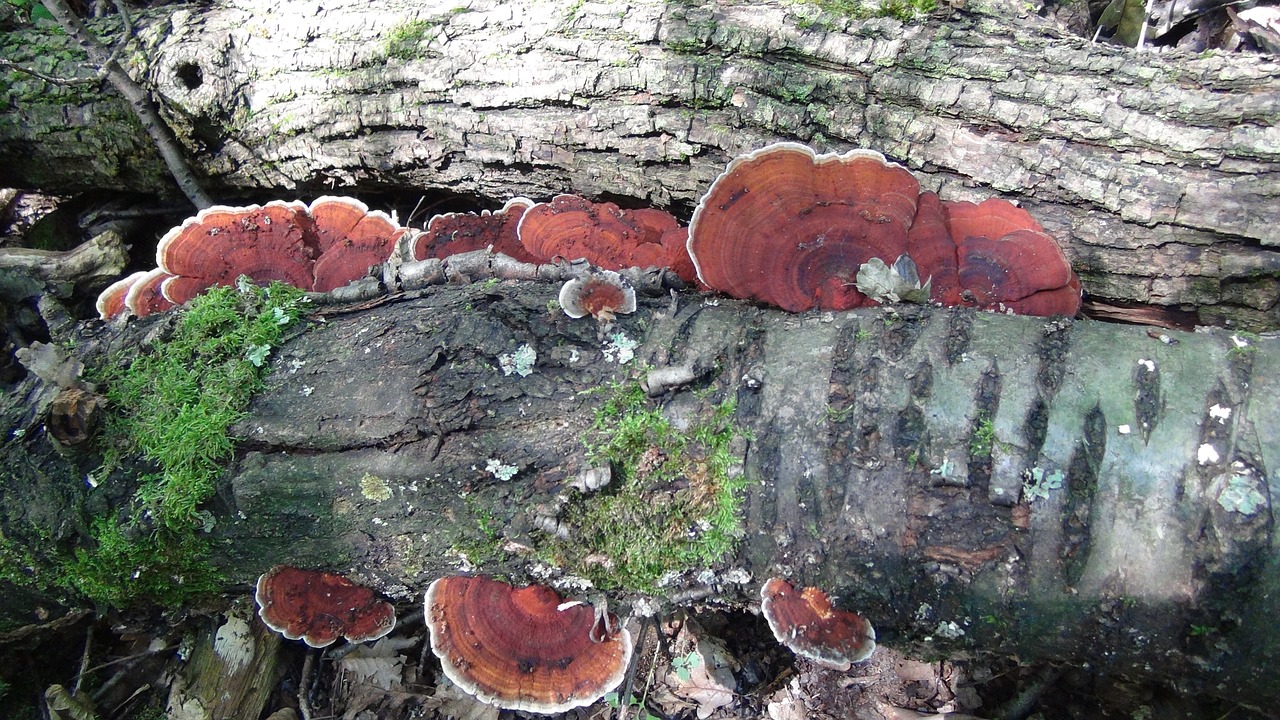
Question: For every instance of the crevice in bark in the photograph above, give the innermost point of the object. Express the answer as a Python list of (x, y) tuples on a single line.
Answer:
[(1081, 486), (958, 328)]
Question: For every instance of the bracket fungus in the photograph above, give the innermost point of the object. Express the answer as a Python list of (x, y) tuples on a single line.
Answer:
[(602, 294), (572, 227), (456, 233), (522, 649), (349, 238), (788, 227), (1004, 258), (791, 228), (319, 247), (110, 302), (319, 607), (806, 622)]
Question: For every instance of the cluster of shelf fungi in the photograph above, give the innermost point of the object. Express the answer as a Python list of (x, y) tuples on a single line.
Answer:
[(526, 648), (781, 226)]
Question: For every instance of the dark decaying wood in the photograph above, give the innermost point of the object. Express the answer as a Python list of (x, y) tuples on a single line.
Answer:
[(864, 480), (1156, 171)]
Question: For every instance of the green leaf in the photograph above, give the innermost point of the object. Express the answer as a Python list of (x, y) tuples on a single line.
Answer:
[(1126, 18)]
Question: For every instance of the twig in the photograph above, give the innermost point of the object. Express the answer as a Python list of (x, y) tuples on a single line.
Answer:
[(49, 78), (84, 659), (304, 685), (137, 96)]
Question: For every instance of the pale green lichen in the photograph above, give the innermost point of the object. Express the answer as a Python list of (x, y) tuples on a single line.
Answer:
[(374, 488), (500, 470), (620, 349), (1241, 495), (519, 362), (1037, 484)]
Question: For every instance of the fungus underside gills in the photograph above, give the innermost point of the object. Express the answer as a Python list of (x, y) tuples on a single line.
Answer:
[(675, 502), (172, 406)]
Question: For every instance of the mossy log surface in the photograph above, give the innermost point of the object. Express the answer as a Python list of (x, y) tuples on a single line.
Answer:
[(1157, 171), (368, 454)]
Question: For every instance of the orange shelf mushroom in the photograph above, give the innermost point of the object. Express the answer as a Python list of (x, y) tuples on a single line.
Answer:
[(791, 228), (572, 228), (318, 247), (807, 623), (1006, 260), (111, 300), (522, 649), (319, 607), (602, 294), (454, 233)]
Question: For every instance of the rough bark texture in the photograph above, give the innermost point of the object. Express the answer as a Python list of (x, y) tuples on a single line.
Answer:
[(1158, 172), (867, 477)]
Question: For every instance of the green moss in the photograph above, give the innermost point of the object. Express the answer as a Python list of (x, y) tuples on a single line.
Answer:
[(675, 500), (904, 10), (404, 42), (983, 439), (174, 405)]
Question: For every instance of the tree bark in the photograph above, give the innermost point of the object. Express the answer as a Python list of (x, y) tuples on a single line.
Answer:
[(1157, 172), (863, 455)]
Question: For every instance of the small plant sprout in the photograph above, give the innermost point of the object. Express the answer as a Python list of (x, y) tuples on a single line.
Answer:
[(497, 469), (620, 349), (1037, 484), (683, 665), (519, 362)]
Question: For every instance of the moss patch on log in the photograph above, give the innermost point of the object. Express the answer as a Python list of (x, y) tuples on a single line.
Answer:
[(171, 407), (674, 502)]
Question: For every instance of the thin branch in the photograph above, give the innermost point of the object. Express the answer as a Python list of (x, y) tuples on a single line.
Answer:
[(137, 96), (48, 78)]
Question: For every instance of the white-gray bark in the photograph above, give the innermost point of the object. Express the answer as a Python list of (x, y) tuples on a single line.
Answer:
[(1157, 172)]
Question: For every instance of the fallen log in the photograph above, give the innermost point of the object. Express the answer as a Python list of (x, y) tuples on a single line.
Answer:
[(1067, 493)]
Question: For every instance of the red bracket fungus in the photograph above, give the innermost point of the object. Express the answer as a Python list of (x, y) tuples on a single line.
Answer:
[(111, 300), (602, 294), (349, 239), (319, 607), (222, 243), (522, 649), (1006, 260), (572, 228), (455, 233), (318, 247), (146, 296), (806, 622), (791, 228)]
